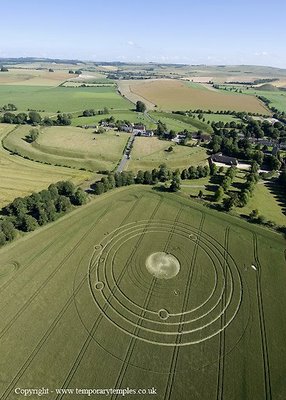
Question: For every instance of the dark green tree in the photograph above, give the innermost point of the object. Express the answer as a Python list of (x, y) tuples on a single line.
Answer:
[(140, 106)]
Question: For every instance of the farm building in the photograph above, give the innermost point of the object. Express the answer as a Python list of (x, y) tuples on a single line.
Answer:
[(220, 158), (138, 129)]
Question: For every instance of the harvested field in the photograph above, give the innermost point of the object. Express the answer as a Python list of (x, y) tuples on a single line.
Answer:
[(178, 95)]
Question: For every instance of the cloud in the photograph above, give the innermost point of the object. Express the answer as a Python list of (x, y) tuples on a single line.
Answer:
[(261, 53), (133, 44)]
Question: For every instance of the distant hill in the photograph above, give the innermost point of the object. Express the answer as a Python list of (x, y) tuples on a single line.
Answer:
[(267, 88)]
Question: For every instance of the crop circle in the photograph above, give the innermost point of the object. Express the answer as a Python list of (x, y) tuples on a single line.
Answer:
[(162, 265)]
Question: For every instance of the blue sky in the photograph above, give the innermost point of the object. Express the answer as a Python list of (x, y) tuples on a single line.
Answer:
[(180, 31)]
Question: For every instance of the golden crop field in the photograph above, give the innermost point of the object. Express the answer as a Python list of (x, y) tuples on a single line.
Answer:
[(20, 177), (170, 94)]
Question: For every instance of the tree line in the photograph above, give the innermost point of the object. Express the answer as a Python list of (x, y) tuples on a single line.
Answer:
[(34, 118), (27, 213)]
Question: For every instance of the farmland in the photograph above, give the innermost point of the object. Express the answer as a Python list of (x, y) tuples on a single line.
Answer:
[(20, 177), (70, 146), (178, 95), (64, 99), (66, 293), (33, 77), (149, 153)]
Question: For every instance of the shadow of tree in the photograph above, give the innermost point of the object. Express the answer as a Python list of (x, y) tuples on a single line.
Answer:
[(278, 192)]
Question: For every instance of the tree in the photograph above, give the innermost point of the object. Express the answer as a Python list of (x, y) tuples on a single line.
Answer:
[(79, 197), (175, 185), (28, 223), (53, 189), (4, 69), (32, 136), (163, 173), (185, 174), (63, 204), (219, 193), (140, 177), (148, 178), (2, 238), (8, 230), (140, 106), (98, 188), (230, 201), (65, 188), (192, 172), (34, 118), (253, 215), (9, 118), (226, 182)]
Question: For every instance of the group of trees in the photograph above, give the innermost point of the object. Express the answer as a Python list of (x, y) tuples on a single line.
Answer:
[(231, 143), (34, 118), (126, 178), (92, 112), (27, 213), (8, 107), (196, 172), (237, 198)]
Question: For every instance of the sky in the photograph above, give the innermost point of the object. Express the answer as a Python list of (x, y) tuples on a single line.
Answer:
[(180, 31)]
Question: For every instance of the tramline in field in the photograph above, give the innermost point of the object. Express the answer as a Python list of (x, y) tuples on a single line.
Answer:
[(167, 278)]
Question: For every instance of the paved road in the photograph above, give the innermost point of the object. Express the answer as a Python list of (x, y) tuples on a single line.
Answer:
[(127, 151)]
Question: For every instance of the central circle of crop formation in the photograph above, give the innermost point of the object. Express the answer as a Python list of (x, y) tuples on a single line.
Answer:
[(162, 265)]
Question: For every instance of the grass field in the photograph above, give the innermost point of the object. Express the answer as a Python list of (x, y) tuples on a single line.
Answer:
[(277, 99), (64, 99), (148, 153), (131, 116), (76, 303), (20, 177), (70, 146), (178, 95), (262, 199), (179, 122)]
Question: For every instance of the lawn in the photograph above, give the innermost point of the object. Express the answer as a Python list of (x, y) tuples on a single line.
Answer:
[(148, 153), (20, 177), (178, 95), (267, 205), (70, 146), (85, 283), (64, 99)]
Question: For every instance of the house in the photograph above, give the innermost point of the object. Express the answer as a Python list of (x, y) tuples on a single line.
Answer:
[(138, 129), (125, 128), (220, 158), (179, 138)]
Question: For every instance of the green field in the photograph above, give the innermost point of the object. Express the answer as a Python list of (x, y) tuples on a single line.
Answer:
[(150, 152), (20, 177), (70, 146), (127, 115), (79, 308), (179, 122), (64, 99)]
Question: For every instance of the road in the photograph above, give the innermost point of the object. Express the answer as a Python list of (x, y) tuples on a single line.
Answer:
[(126, 154)]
